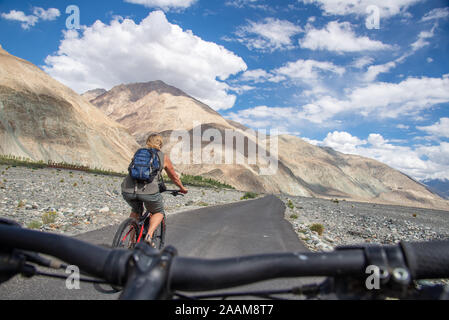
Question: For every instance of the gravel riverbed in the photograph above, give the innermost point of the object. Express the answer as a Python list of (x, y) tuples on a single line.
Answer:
[(344, 222), (74, 202)]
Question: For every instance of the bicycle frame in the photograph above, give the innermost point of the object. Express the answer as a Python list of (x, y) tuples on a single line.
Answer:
[(141, 223)]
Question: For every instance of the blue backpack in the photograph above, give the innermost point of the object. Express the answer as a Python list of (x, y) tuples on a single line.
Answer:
[(145, 165)]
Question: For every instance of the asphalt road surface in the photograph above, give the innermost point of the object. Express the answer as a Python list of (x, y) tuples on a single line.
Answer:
[(242, 228)]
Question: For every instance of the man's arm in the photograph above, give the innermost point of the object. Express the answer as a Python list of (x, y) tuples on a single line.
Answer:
[(168, 166)]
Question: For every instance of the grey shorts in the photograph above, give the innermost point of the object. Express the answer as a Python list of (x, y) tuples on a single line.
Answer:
[(152, 202)]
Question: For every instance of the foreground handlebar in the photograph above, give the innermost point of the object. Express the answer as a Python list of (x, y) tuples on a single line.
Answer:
[(427, 259), (190, 274), (95, 260)]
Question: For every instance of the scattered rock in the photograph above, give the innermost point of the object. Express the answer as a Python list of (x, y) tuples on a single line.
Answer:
[(26, 200), (355, 223)]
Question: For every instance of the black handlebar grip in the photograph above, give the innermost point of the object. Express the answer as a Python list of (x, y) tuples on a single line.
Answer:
[(427, 260)]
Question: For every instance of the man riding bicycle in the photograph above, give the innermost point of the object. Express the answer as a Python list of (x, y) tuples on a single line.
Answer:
[(138, 193)]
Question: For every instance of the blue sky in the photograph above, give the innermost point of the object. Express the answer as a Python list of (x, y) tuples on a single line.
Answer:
[(319, 69)]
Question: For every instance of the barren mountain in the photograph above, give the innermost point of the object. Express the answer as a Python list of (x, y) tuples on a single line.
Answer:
[(44, 120), (92, 94), (154, 106), (303, 169)]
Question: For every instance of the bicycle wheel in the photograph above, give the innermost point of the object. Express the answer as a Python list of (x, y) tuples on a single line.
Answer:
[(126, 235), (159, 235)]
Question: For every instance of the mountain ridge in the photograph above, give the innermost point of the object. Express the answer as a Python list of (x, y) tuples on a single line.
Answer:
[(439, 186), (42, 119), (303, 169)]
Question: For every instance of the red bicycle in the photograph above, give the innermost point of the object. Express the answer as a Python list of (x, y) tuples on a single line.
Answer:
[(132, 231)]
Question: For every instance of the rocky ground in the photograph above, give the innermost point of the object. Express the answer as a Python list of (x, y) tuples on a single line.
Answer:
[(343, 222), (74, 202)]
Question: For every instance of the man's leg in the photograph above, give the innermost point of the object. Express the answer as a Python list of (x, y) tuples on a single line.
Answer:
[(155, 221), (132, 234), (136, 207)]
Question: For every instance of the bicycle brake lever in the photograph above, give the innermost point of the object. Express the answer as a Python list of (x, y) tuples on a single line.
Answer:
[(11, 264)]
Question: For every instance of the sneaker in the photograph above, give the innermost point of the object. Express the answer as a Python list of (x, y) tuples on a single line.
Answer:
[(151, 243)]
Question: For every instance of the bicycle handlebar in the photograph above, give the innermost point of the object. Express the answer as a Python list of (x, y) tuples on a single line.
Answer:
[(427, 259), (192, 274), (173, 192), (424, 260)]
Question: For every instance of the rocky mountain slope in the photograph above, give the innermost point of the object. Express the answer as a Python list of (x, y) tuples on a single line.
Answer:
[(92, 94), (154, 106), (303, 169), (44, 120)]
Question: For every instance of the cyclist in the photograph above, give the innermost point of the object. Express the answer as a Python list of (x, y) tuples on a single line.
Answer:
[(138, 194)]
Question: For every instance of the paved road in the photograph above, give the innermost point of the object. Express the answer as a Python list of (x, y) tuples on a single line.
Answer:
[(242, 228)]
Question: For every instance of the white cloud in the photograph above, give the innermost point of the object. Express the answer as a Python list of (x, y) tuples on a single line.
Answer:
[(321, 110), (306, 70), (256, 75), (429, 59), (99, 57), (387, 8), (242, 88), (242, 3), (382, 100), (402, 126), (269, 35), (339, 37), (391, 100), (253, 4), (342, 141), (373, 71), (361, 62), (439, 129), (164, 4), (421, 41), (31, 20), (436, 14), (420, 162), (438, 154), (27, 21), (49, 14), (264, 117), (239, 3), (378, 100)]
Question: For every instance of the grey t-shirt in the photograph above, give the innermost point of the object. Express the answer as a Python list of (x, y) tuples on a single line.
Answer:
[(129, 184)]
